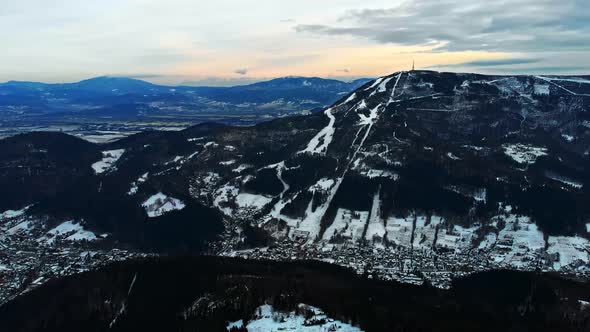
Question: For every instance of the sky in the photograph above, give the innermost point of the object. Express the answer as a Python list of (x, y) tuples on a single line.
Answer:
[(229, 42)]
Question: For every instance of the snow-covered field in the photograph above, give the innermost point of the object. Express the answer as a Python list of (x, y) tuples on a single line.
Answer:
[(267, 319), (524, 154), (109, 158), (73, 231), (160, 204)]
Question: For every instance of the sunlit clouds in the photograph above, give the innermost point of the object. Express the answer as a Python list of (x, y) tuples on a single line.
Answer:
[(240, 41)]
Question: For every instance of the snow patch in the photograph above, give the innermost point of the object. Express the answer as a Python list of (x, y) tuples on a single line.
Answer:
[(569, 249), (267, 319), (160, 204), (73, 230), (135, 185), (319, 144), (109, 158), (245, 200), (541, 89), (524, 154)]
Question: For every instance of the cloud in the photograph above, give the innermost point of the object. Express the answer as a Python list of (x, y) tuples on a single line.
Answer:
[(345, 70), (497, 63), (459, 25), (243, 71)]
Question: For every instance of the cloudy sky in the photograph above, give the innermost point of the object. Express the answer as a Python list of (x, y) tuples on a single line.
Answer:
[(225, 42)]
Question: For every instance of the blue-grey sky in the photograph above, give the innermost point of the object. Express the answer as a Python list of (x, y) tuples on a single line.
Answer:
[(225, 42)]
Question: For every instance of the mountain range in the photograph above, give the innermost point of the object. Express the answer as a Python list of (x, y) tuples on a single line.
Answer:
[(131, 98), (418, 176)]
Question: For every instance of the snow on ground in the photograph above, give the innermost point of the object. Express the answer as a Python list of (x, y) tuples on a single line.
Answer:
[(267, 319), (241, 168), (478, 194), (223, 196), (72, 230), (568, 138), (347, 224), (22, 226), (524, 154), (382, 86), (565, 180), (425, 231), (457, 238), (211, 145), (367, 120), (351, 98), (135, 185), (375, 83), (319, 144), (227, 163), (379, 173), (518, 242), (452, 156), (541, 89), (245, 200), (376, 227), (160, 204), (569, 249), (109, 158), (323, 184), (8, 214), (399, 230)]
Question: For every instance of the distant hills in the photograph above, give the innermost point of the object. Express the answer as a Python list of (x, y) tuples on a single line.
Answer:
[(300, 93)]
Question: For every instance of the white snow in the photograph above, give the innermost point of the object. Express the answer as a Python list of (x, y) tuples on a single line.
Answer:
[(379, 173), (351, 98), (367, 120), (524, 154), (323, 184), (452, 156), (568, 138), (227, 163), (8, 214), (223, 196), (399, 230), (541, 89), (73, 230), (319, 144), (244, 200), (518, 242), (567, 181), (375, 83), (347, 224), (382, 86), (135, 185), (425, 230), (376, 227), (241, 168), (267, 319), (211, 145), (109, 158), (20, 227), (160, 204), (569, 249)]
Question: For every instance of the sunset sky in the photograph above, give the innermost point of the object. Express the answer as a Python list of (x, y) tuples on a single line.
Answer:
[(226, 42)]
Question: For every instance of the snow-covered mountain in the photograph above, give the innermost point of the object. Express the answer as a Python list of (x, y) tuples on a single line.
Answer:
[(417, 176)]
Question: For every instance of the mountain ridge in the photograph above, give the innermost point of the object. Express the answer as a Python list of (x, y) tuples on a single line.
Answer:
[(417, 176)]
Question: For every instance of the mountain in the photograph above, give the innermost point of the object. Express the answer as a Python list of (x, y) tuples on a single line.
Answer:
[(218, 294), (104, 92), (417, 176), (105, 108)]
